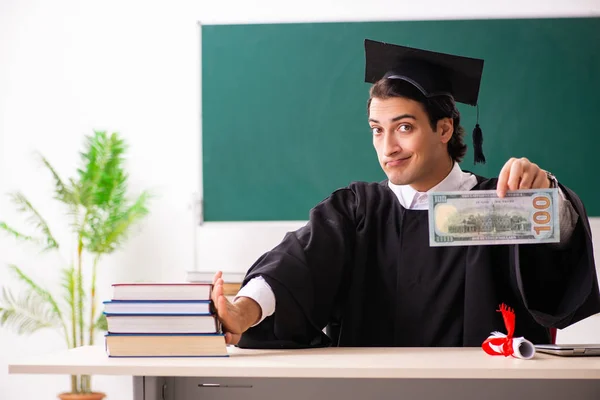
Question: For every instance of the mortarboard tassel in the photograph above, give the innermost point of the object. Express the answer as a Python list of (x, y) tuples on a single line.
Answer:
[(478, 141)]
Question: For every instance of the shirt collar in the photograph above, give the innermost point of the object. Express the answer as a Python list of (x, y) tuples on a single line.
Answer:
[(409, 197)]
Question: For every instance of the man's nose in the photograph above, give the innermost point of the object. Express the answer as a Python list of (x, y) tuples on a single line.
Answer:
[(390, 145)]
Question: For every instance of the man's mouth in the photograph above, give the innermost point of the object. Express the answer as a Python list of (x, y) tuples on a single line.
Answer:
[(399, 162)]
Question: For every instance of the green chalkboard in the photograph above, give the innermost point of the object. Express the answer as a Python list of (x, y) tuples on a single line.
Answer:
[(284, 106)]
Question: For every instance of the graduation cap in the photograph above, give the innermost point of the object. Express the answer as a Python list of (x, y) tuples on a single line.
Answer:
[(432, 73)]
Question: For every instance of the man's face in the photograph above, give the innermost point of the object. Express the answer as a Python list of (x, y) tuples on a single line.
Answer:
[(409, 150)]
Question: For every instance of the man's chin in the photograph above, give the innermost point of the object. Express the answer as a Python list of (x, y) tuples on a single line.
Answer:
[(399, 180)]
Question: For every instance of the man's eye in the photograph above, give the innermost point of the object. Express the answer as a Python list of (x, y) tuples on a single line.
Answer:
[(376, 130), (405, 128)]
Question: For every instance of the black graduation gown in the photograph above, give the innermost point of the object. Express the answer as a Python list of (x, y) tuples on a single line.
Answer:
[(363, 268)]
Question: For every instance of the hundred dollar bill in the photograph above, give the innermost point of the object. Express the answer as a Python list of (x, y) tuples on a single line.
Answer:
[(480, 217)]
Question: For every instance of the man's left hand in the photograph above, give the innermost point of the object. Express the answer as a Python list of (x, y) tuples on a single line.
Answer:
[(520, 173)]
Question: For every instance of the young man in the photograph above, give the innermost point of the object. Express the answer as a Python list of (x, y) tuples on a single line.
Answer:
[(363, 262)]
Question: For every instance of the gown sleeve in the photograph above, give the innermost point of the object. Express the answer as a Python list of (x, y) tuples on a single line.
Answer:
[(305, 272), (559, 284)]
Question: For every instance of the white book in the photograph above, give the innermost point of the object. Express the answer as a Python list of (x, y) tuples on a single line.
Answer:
[(161, 291), (162, 323), (157, 307)]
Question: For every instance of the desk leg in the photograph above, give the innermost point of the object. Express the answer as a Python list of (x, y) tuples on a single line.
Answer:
[(152, 388)]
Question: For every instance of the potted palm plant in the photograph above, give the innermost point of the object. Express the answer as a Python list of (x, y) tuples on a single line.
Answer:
[(101, 216)]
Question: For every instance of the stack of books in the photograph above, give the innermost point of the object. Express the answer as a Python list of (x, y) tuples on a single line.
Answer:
[(162, 320)]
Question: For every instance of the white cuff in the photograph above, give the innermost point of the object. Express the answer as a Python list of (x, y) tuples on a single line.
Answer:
[(259, 290)]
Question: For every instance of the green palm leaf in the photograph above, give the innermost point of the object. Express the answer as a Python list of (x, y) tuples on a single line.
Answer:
[(111, 185), (101, 323), (90, 174), (18, 235), (62, 191), (102, 170), (68, 283), (25, 206), (109, 234), (27, 313), (103, 187), (42, 293)]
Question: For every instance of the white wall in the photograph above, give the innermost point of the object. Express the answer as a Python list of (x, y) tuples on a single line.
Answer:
[(68, 67)]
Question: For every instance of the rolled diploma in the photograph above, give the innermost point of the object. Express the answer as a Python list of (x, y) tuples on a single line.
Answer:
[(523, 348)]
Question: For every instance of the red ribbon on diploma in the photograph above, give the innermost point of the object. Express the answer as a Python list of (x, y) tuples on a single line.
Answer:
[(500, 344)]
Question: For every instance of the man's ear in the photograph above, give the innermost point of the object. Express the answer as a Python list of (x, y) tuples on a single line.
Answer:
[(445, 127)]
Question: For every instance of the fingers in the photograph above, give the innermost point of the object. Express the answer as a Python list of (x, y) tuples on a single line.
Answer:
[(220, 303), (534, 178), (541, 180), (222, 309), (219, 286), (232, 338), (502, 185), (218, 275), (520, 174), (527, 177), (216, 292), (515, 175)]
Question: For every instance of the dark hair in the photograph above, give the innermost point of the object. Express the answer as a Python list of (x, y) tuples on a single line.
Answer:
[(436, 107)]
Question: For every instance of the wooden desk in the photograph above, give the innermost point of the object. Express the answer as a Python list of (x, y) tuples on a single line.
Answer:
[(336, 373)]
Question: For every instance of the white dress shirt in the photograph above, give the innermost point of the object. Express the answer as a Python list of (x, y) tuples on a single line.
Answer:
[(260, 291)]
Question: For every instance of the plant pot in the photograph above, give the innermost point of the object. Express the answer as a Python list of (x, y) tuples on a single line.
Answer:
[(82, 396)]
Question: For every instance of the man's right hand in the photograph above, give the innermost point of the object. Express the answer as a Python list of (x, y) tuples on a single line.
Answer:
[(236, 317)]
